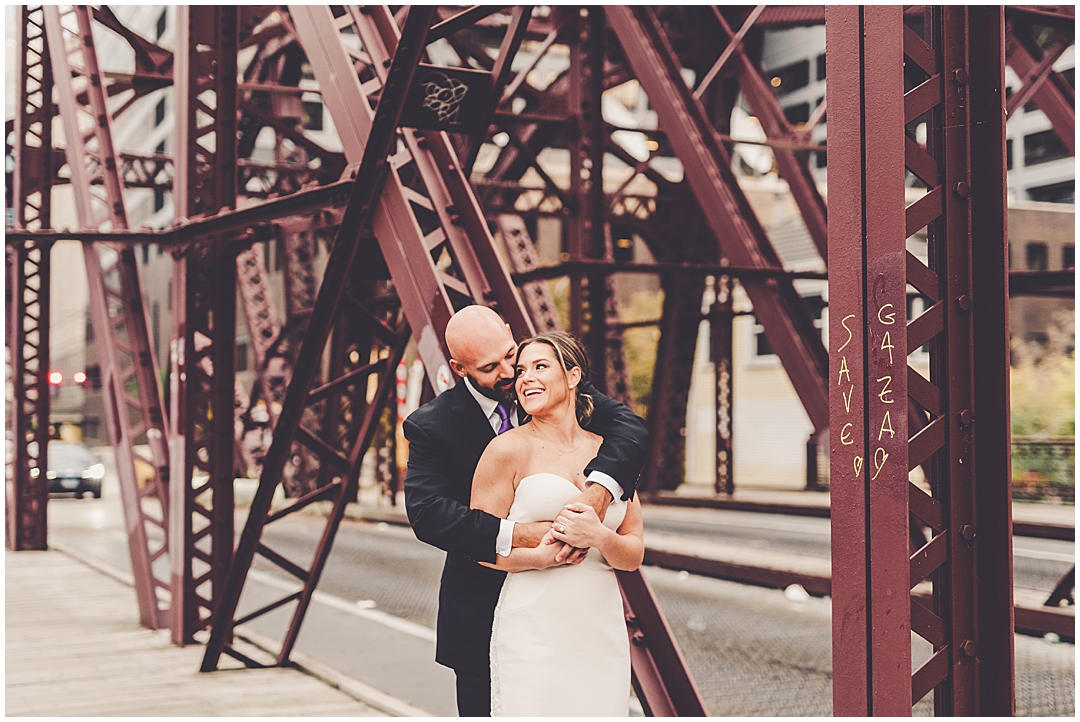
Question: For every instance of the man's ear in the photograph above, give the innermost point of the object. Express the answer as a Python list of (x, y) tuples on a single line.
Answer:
[(458, 368)]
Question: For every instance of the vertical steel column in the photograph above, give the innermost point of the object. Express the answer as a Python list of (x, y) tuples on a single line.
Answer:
[(992, 447), (720, 326), (130, 383), (963, 210), (586, 236), (28, 282), (847, 377), (27, 263), (679, 326), (204, 318)]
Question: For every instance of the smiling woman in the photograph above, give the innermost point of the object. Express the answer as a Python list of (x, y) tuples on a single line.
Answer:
[(540, 358)]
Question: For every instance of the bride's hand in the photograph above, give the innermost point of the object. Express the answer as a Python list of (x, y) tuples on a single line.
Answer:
[(579, 526), (548, 551)]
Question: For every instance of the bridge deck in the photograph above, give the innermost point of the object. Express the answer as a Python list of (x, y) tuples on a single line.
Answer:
[(74, 647)]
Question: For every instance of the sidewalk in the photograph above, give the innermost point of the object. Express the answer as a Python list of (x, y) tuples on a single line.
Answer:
[(74, 647)]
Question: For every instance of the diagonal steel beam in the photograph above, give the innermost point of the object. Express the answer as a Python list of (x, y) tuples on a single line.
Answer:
[(792, 166), (783, 313), (1051, 97), (117, 312), (367, 188)]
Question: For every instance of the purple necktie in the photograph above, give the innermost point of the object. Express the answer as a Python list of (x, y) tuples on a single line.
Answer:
[(504, 414)]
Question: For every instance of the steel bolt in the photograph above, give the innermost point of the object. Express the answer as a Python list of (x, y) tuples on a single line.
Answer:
[(386, 63), (960, 76), (963, 302), (962, 189), (964, 417), (967, 532), (968, 648)]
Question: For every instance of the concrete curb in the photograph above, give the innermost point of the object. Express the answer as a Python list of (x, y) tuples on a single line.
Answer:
[(351, 686)]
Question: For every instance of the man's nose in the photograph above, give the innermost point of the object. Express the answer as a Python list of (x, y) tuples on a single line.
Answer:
[(506, 370)]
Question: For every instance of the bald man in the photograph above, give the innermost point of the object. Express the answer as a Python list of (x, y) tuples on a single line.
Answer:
[(446, 438)]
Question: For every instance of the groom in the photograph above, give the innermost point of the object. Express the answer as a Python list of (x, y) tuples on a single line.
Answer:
[(446, 439)]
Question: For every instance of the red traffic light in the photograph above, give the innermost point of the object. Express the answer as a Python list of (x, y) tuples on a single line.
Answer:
[(79, 377), (56, 378)]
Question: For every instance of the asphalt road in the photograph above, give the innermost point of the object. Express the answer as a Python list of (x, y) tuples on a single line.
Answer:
[(752, 651)]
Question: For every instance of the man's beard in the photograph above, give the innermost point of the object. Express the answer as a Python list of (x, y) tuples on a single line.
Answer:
[(504, 394)]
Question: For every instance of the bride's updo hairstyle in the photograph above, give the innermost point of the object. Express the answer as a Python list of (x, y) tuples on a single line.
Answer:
[(571, 354)]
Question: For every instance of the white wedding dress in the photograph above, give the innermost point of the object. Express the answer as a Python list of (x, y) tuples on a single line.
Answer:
[(559, 645)]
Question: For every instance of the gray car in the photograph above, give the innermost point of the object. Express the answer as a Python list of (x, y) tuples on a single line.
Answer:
[(72, 468)]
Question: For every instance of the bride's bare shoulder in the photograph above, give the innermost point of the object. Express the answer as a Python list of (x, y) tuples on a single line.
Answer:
[(509, 444)]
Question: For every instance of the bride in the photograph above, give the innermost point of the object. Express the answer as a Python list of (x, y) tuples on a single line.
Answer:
[(557, 624)]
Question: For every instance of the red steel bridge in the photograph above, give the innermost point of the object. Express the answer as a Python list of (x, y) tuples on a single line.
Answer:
[(417, 234)]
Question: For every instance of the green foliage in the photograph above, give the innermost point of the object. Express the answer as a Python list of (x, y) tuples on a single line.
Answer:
[(1043, 410), (1043, 393)]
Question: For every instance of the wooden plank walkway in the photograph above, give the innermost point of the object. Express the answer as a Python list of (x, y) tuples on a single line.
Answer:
[(74, 647)]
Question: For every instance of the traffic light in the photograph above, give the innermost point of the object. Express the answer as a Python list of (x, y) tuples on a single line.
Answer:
[(55, 378), (79, 377)]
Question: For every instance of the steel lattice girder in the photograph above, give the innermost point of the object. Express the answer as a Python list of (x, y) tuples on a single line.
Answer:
[(120, 328), (969, 619), (706, 163), (204, 311), (28, 273)]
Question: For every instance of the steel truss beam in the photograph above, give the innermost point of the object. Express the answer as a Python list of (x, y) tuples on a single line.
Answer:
[(964, 426), (371, 175), (425, 210), (132, 397), (792, 165), (28, 273), (707, 166), (204, 318)]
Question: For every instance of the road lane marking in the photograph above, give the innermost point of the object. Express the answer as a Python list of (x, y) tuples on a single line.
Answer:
[(373, 615)]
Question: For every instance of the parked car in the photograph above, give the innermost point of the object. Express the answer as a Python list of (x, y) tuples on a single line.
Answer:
[(72, 468)]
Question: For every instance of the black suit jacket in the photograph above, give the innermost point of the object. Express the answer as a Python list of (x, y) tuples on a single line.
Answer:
[(446, 437)]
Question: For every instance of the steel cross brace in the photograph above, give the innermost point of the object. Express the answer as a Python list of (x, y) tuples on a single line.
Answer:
[(792, 165), (120, 328), (28, 272), (367, 189), (1048, 89), (968, 618), (706, 164)]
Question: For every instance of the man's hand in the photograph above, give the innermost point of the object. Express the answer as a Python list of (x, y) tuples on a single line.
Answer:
[(529, 535), (595, 496)]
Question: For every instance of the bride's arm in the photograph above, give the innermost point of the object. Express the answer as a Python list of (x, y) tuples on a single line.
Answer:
[(623, 549), (493, 492)]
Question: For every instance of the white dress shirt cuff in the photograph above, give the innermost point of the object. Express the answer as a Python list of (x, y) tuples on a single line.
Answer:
[(505, 541), (599, 477)]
